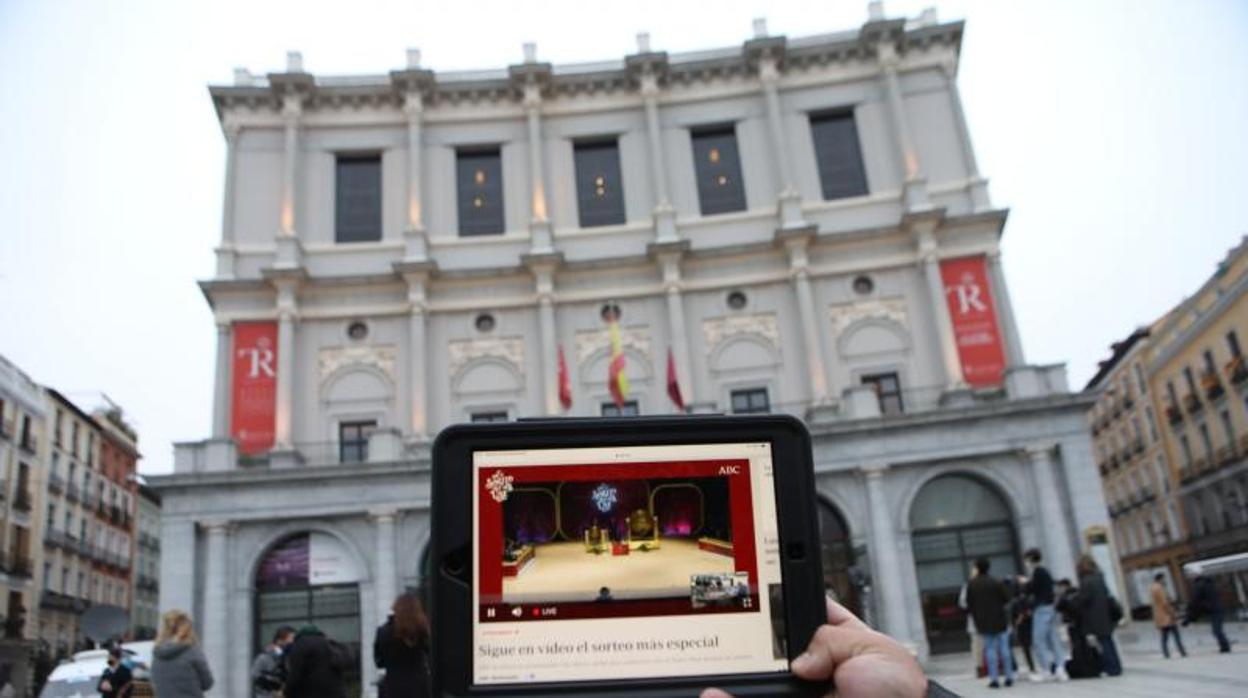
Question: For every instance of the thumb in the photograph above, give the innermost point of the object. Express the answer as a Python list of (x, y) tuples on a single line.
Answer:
[(715, 693), (831, 646)]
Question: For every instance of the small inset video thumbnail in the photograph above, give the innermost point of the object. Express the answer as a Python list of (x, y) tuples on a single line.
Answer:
[(720, 589)]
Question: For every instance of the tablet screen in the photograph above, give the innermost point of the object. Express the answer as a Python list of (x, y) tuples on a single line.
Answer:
[(625, 562)]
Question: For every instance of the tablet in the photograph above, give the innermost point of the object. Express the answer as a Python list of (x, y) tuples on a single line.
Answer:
[(634, 556)]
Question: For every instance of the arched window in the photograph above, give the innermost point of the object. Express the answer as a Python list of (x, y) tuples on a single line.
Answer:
[(839, 577), (955, 520)]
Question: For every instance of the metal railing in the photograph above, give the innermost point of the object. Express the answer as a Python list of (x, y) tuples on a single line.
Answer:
[(56, 485), (71, 492)]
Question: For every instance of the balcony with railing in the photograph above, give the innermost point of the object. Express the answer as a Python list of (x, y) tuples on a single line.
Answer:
[(1211, 385), (1192, 403), (1173, 414), (56, 601), (88, 499), (29, 444), (1236, 370), (22, 501), (56, 484), (71, 491), (18, 564), (54, 538)]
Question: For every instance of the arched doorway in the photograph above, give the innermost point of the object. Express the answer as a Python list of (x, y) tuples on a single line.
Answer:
[(840, 579), (310, 578), (954, 520)]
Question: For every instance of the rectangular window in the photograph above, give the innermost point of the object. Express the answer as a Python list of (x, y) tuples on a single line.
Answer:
[(1229, 428), (1139, 378), (1210, 367), (888, 390), (628, 409), (1232, 343), (718, 167), (479, 180), (357, 198), (1152, 424), (1186, 447), (839, 155), (353, 440), (1207, 442), (1191, 380), (750, 401), (494, 416), (599, 189)]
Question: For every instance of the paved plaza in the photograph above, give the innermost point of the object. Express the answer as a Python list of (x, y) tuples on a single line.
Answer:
[(1203, 674)]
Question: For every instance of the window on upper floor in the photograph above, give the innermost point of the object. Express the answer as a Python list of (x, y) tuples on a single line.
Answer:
[(1229, 429), (1139, 378), (1206, 441), (1210, 367), (750, 401), (488, 416), (599, 189), (718, 167), (353, 440), (628, 409), (1152, 423), (1232, 343), (56, 436), (357, 198), (479, 187), (839, 155), (887, 391), (1185, 446)]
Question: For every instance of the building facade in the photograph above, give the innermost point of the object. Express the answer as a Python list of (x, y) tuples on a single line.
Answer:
[(1200, 384), (23, 448), (145, 587), (116, 498), (1141, 489), (790, 225)]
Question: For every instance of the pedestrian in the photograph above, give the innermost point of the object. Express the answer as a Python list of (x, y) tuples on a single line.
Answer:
[(1205, 602), (977, 643), (1021, 624), (315, 666), (1044, 639), (1085, 660), (179, 668), (1096, 612), (401, 648), (1164, 617), (268, 671), (987, 599), (117, 679)]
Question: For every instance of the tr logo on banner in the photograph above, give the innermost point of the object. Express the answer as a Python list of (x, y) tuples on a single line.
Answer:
[(253, 394), (974, 320)]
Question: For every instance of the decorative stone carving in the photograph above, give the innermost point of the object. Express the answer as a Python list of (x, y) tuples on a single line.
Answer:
[(590, 341), (762, 325), (845, 314), (463, 351), (380, 357)]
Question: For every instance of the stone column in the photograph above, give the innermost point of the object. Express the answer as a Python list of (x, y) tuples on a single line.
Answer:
[(221, 383), (387, 566), (789, 202), (215, 621), (977, 186), (812, 324), (1005, 311), (1058, 551), (548, 347), (288, 254), (676, 328), (542, 241), (286, 311), (225, 253), (177, 564), (417, 245), (417, 416), (886, 576), (664, 214), (940, 311), (914, 191)]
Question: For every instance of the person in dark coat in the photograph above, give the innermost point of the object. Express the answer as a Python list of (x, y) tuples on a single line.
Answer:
[(401, 648), (1205, 602), (116, 682), (987, 599), (1095, 614), (314, 668), (1085, 661)]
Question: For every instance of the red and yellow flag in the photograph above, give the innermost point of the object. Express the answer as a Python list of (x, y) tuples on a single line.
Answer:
[(617, 380)]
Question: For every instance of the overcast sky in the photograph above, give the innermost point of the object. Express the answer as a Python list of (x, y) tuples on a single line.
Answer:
[(1113, 131)]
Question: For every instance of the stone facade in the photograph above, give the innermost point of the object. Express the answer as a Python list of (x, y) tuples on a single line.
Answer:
[(145, 582), (801, 297)]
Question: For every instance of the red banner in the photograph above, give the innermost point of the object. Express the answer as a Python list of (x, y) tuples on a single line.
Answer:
[(253, 395), (974, 320)]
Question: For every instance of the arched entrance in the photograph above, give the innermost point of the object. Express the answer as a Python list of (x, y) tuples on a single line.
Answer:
[(839, 576), (954, 520), (310, 578)]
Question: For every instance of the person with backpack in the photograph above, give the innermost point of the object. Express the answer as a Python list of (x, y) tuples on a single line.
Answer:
[(987, 599), (401, 648), (315, 666), (268, 672), (1097, 610)]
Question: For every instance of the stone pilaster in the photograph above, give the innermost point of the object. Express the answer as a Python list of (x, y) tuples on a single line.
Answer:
[(414, 411), (1005, 311), (929, 262), (543, 269), (225, 252), (664, 214), (914, 186), (788, 201), (387, 564), (796, 243), (1057, 540), (287, 312), (668, 257), (216, 613), (977, 186), (886, 577), (221, 382)]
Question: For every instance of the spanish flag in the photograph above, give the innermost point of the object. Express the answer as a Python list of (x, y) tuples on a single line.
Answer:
[(617, 381)]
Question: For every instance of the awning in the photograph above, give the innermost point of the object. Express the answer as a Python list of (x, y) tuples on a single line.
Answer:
[(1217, 565)]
